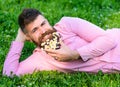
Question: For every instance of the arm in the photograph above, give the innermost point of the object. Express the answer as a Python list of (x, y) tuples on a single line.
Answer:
[(11, 63), (99, 40), (78, 27)]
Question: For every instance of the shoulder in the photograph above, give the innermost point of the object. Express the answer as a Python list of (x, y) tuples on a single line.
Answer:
[(67, 20)]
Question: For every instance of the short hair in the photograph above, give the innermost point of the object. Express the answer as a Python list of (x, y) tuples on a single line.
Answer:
[(27, 16)]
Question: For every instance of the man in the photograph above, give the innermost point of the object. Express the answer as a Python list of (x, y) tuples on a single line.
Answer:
[(84, 46)]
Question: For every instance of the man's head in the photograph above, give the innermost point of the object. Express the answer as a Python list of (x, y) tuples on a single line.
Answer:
[(34, 25)]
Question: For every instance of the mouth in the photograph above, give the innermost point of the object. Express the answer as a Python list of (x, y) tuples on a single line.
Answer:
[(48, 36)]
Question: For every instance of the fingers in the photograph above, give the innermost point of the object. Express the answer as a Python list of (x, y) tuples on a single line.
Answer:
[(53, 55), (20, 31), (21, 37), (56, 57), (51, 51)]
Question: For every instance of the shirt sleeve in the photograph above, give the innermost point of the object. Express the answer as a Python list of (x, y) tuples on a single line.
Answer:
[(11, 63), (99, 40), (97, 47), (35, 62)]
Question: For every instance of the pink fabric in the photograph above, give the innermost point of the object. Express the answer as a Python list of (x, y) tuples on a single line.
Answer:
[(99, 49)]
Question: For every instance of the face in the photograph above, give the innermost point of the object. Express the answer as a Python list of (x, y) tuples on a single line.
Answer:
[(38, 30)]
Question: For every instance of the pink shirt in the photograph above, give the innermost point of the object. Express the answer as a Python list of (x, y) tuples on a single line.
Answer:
[(99, 49)]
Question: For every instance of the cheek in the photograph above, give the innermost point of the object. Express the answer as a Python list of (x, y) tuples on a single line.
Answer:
[(35, 37)]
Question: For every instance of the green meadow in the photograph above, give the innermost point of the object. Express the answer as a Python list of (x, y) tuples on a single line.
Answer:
[(104, 13)]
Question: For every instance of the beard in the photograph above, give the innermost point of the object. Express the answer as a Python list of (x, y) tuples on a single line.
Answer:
[(40, 38)]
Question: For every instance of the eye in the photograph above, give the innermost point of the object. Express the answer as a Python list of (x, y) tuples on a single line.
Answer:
[(43, 23), (34, 30)]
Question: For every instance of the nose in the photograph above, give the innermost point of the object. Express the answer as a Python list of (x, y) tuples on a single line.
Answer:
[(42, 30)]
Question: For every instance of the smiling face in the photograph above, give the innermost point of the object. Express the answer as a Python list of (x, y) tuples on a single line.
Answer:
[(39, 30)]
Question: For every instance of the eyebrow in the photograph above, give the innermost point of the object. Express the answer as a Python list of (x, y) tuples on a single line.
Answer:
[(37, 26), (42, 22)]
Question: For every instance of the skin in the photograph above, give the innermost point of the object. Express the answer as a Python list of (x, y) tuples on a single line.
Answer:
[(34, 31)]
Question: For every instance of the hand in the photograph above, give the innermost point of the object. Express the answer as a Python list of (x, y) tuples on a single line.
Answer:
[(21, 37), (63, 54)]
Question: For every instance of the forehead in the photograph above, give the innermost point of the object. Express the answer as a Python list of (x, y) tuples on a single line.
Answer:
[(39, 19)]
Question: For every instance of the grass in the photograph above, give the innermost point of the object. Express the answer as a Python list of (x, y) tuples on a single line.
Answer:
[(104, 13)]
